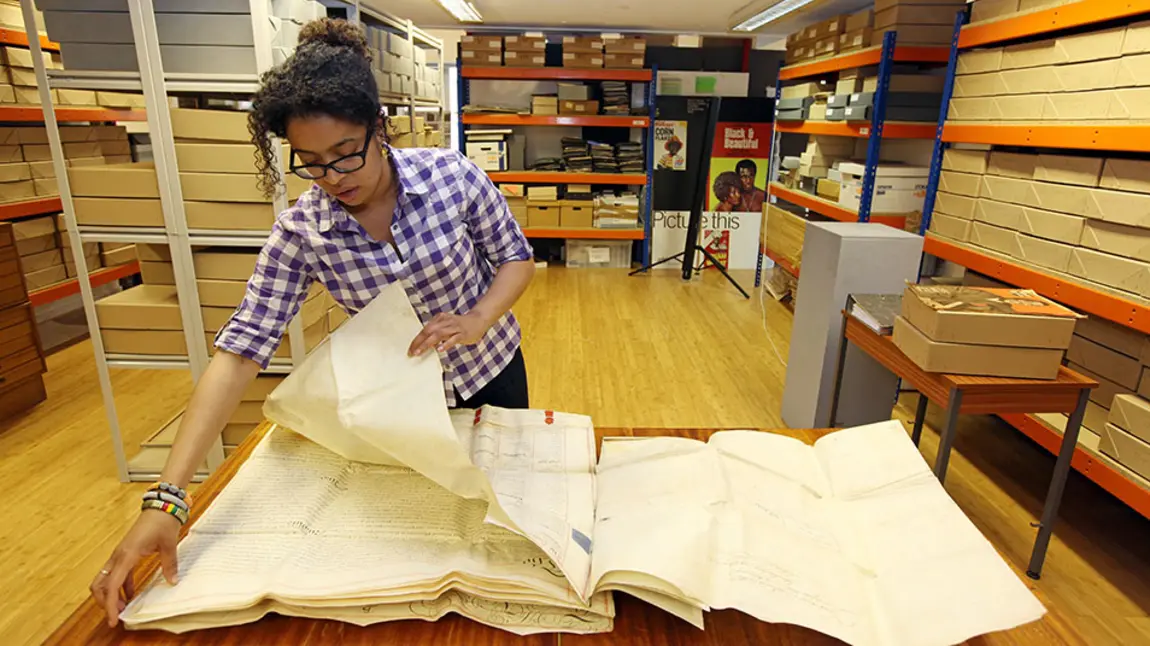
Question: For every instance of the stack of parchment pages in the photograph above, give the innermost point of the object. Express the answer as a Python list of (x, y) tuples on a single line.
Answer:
[(379, 504)]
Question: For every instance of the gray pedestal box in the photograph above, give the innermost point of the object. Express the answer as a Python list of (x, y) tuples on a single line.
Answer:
[(842, 258)]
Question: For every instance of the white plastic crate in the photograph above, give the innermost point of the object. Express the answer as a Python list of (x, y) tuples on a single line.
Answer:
[(611, 254)]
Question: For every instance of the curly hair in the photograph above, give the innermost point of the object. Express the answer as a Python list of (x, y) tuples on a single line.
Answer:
[(329, 73), (725, 183)]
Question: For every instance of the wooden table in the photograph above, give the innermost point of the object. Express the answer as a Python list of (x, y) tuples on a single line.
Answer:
[(636, 623), (959, 394)]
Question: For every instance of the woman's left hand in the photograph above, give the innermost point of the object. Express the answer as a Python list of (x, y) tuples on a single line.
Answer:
[(446, 331)]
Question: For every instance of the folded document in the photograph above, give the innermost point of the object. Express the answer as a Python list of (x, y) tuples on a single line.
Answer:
[(380, 505)]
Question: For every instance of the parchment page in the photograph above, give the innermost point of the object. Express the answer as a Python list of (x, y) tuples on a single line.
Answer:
[(362, 397), (355, 535), (937, 579)]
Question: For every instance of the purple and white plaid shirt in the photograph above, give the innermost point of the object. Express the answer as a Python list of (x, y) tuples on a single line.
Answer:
[(452, 228)]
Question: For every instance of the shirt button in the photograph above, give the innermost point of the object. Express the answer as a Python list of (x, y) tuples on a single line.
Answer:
[(395, 227)]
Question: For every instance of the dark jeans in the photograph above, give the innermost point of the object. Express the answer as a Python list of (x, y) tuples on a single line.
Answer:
[(507, 390)]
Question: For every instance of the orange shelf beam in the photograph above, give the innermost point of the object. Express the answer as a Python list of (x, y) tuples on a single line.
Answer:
[(584, 234), (560, 177), (553, 74), (1083, 462), (831, 209), (1035, 23), (38, 206), (53, 293), (1108, 306), (20, 39), (862, 58), (860, 129), (34, 114), (782, 262), (605, 121), (1084, 137)]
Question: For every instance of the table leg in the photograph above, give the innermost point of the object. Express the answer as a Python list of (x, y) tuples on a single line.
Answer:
[(919, 418), (948, 432), (1057, 486), (839, 374)]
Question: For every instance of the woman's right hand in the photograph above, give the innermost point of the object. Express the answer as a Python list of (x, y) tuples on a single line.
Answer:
[(154, 531)]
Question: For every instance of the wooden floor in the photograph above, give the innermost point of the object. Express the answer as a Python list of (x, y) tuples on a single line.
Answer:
[(645, 351)]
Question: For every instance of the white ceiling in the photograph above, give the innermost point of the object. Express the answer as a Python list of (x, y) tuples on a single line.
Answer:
[(667, 16)]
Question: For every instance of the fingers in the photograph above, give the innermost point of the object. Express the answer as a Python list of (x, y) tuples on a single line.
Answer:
[(112, 585), (450, 343), (421, 339), (168, 559), (442, 327), (97, 587)]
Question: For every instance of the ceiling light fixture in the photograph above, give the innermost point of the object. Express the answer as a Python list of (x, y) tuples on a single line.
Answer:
[(462, 10), (770, 14)]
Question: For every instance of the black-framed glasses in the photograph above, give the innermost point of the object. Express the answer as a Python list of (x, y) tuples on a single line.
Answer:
[(346, 164)]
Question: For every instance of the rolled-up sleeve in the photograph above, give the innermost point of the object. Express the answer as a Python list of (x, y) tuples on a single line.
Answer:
[(489, 219), (273, 297)]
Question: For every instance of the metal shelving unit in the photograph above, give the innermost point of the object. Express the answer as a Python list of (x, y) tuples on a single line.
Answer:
[(885, 56), (418, 38), (1088, 137), (646, 125), (156, 85)]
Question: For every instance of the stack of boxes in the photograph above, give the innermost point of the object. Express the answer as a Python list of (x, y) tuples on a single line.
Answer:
[(401, 67), (916, 22), (910, 97), (898, 188), (517, 201), (616, 211), (625, 52), (1084, 219), (822, 156), (1097, 75), (21, 354), (481, 50), (145, 319), (583, 51), (983, 331), (92, 256), (981, 10), (406, 132), (784, 229), (543, 206), (843, 33), (37, 246), (19, 80), (27, 171), (797, 100), (525, 51)]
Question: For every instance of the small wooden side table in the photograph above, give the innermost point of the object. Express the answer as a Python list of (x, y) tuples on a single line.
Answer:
[(963, 394)]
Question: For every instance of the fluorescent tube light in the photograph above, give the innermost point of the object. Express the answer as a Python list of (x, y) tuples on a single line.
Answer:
[(770, 14), (462, 10)]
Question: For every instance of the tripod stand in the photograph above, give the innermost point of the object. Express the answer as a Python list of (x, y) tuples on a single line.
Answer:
[(699, 192)]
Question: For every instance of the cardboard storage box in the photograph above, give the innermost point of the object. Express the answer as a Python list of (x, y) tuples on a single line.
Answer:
[(217, 158), (118, 181), (1120, 273), (966, 359), (1050, 225), (143, 307), (998, 108), (239, 216), (157, 273), (1132, 209), (41, 260), (481, 57), (148, 342), (210, 125), (977, 61), (224, 265), (524, 43), (625, 45), (583, 44), (951, 227), (582, 60), (543, 213), (1040, 195), (229, 187), (994, 238), (1115, 366), (1131, 414), (119, 212), (33, 228), (1044, 253), (577, 215), (1129, 242), (1119, 338), (525, 59), (481, 42), (112, 254), (965, 161), (965, 184), (44, 277), (986, 316), (624, 61), (1106, 391), (1126, 175), (1016, 165), (800, 90), (958, 206), (991, 9), (220, 293), (579, 107), (545, 105), (24, 189), (1127, 449)]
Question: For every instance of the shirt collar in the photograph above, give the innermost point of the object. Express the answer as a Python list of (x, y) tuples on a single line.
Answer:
[(411, 182)]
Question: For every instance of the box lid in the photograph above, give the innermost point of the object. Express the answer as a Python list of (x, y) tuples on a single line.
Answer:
[(988, 316), (885, 170)]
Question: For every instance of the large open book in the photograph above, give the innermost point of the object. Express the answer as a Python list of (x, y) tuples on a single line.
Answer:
[(381, 505)]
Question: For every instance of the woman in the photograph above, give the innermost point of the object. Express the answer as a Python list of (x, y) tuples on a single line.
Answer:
[(727, 191), (428, 218)]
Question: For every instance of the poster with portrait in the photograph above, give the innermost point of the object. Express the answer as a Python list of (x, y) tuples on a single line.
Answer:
[(671, 145), (732, 238), (740, 160)]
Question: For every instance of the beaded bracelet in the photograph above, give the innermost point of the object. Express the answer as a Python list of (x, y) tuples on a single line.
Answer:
[(166, 507), (164, 496), (169, 488)]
